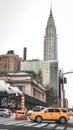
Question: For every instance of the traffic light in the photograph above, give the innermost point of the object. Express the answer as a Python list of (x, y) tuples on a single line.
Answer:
[(65, 80), (61, 80)]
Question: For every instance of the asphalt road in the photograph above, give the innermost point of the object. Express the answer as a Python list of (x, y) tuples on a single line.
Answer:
[(12, 124), (2, 127), (18, 128)]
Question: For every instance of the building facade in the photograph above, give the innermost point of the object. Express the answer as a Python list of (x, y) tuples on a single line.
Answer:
[(38, 66), (9, 62), (50, 39), (48, 71), (35, 93)]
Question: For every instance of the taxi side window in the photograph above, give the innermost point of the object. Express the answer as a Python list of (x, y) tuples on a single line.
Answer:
[(57, 110), (64, 110), (50, 110)]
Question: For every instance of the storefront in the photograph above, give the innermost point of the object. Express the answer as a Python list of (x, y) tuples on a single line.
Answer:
[(14, 102)]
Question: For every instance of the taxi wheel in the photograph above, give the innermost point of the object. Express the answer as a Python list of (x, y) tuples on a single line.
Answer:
[(38, 119), (62, 120)]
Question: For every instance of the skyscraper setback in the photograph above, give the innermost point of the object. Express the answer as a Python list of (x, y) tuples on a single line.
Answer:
[(50, 39)]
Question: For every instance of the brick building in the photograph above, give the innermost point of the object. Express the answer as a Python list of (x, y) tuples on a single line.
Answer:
[(9, 62)]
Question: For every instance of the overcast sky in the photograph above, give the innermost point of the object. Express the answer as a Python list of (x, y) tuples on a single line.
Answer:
[(23, 23)]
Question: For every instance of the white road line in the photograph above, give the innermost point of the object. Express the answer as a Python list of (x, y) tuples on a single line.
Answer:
[(31, 124), (5, 120), (60, 128), (51, 125), (22, 124), (40, 125), (69, 128), (14, 122), (4, 129)]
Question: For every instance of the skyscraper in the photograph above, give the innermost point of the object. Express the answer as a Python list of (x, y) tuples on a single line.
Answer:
[(50, 39)]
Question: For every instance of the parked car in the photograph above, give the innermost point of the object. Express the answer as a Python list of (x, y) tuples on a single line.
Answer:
[(29, 112), (20, 114), (71, 113), (38, 108), (34, 109), (60, 115), (4, 112)]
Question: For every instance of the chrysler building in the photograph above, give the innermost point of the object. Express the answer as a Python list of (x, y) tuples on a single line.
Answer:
[(50, 39)]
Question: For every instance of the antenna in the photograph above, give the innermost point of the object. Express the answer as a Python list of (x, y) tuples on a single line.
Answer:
[(51, 9), (51, 5)]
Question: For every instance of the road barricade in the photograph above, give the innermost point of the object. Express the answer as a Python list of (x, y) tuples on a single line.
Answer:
[(20, 114)]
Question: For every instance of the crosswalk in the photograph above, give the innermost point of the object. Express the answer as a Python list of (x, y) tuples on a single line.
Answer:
[(28, 123)]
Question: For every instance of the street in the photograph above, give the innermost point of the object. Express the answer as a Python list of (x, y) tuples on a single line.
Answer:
[(12, 124)]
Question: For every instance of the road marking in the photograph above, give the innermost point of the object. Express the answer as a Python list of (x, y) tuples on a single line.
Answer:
[(51, 125), (40, 125), (4, 129), (31, 124), (22, 124), (11, 122), (59, 127), (69, 128), (28, 123)]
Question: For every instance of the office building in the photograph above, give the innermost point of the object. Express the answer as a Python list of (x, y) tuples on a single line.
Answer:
[(47, 70), (50, 39)]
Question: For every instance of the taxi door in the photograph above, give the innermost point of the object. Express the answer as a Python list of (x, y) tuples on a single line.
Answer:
[(49, 114), (56, 115)]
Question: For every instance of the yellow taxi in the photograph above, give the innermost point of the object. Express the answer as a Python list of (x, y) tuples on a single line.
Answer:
[(60, 115), (20, 114)]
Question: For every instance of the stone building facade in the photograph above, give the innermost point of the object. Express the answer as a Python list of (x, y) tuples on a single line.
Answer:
[(34, 92), (9, 62)]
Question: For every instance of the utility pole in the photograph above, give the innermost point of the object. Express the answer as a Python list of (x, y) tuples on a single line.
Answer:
[(62, 81)]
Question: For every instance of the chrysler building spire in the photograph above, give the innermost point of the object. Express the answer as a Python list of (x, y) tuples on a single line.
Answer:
[(50, 39)]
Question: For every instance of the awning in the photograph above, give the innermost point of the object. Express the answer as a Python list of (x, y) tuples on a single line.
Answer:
[(35, 101)]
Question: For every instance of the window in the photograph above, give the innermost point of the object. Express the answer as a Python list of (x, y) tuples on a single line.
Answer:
[(64, 110), (50, 110), (57, 110)]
